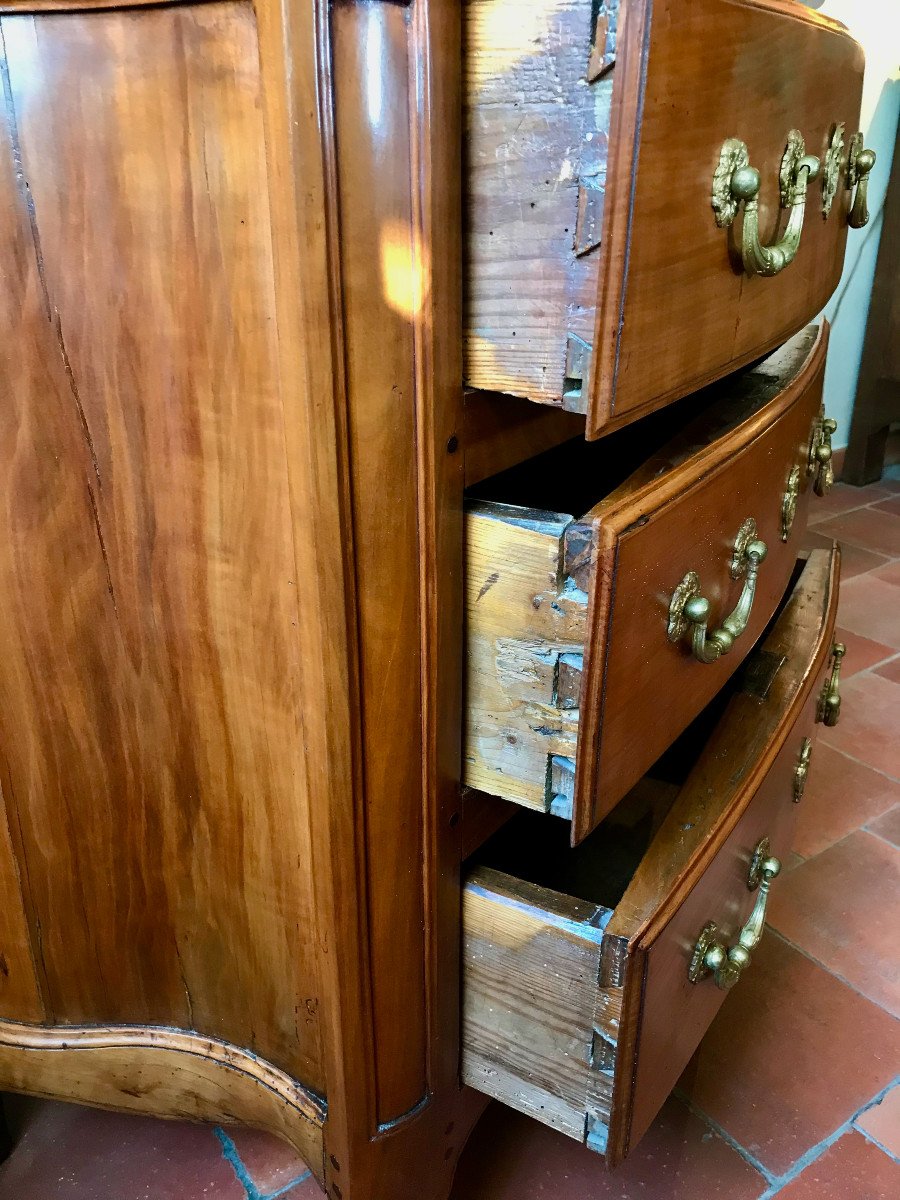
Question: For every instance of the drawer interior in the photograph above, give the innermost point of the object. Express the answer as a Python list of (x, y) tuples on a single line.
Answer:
[(578, 1006), (575, 476), (574, 557), (599, 869)]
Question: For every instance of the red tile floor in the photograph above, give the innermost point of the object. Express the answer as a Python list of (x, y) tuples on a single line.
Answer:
[(796, 1090)]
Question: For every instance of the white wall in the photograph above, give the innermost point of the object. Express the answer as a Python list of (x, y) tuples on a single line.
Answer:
[(876, 25)]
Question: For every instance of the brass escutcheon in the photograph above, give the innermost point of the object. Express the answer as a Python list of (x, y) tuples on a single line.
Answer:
[(831, 168), (801, 771), (789, 503)]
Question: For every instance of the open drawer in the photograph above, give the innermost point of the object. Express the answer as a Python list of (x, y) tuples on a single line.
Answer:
[(589, 648), (614, 258), (584, 993)]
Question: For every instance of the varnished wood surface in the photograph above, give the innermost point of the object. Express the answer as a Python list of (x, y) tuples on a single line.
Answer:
[(166, 1072), (380, 302), (573, 687), (581, 1014), (644, 544), (700, 875), (311, 118), (713, 70), (151, 681), (657, 296)]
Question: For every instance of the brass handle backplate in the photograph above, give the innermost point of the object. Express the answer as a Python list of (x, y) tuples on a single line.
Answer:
[(689, 610), (789, 503), (859, 165), (726, 963), (821, 456), (801, 770), (828, 711), (736, 183)]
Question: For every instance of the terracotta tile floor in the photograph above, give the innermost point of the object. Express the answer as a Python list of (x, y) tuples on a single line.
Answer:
[(796, 1090)]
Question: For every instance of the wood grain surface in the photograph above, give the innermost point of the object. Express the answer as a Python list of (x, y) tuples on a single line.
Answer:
[(645, 541), (700, 875), (165, 1072), (151, 686), (648, 300), (577, 1006), (231, 742), (573, 687), (711, 70)]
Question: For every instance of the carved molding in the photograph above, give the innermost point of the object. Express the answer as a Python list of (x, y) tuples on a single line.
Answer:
[(164, 1073)]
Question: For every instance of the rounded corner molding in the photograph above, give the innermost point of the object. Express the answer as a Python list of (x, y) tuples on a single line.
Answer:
[(162, 1072)]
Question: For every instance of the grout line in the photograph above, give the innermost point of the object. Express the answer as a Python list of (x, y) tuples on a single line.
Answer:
[(287, 1187), (859, 761), (778, 1182), (875, 1142), (723, 1133), (231, 1156), (879, 836), (846, 511), (828, 971)]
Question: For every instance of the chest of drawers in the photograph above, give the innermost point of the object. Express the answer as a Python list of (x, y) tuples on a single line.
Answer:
[(292, 631)]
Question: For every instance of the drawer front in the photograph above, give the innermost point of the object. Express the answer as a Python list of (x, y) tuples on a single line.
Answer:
[(599, 274), (643, 684), (574, 687), (584, 1017)]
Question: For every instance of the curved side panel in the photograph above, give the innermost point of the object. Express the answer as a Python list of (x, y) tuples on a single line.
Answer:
[(162, 1072)]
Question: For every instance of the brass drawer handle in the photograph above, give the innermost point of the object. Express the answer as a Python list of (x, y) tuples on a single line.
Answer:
[(725, 963), (821, 455), (859, 164), (735, 182), (801, 771), (689, 610), (828, 711)]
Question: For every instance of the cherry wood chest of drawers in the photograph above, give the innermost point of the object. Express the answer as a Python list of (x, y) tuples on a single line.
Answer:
[(294, 629)]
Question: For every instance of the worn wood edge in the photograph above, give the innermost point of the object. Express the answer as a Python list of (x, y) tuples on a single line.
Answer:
[(763, 348), (558, 908), (171, 1073), (806, 16), (820, 576), (641, 933), (625, 118), (627, 503), (621, 182), (652, 498), (12, 8)]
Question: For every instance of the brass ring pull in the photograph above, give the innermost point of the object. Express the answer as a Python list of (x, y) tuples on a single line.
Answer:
[(711, 956), (821, 455), (735, 182), (689, 610), (828, 711), (859, 164)]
